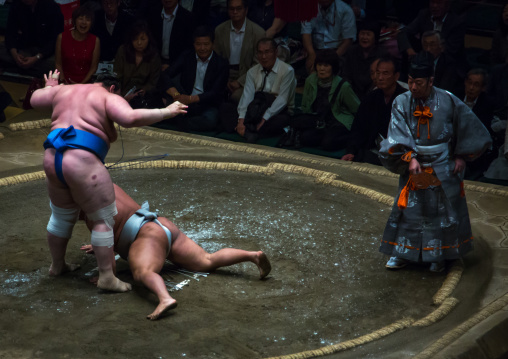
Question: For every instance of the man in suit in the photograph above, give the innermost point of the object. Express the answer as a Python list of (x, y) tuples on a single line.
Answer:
[(30, 36), (203, 79), (110, 26), (236, 40), (172, 28)]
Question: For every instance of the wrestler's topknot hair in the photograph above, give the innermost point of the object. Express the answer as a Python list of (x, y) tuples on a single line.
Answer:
[(107, 79)]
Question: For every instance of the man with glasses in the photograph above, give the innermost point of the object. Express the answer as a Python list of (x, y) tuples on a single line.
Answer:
[(333, 28), (274, 78), (236, 40)]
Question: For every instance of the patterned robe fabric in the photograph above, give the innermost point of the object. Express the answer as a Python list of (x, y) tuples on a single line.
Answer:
[(434, 225)]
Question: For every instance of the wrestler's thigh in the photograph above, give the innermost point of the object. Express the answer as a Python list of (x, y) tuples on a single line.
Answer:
[(88, 180), (145, 254), (187, 253), (59, 194)]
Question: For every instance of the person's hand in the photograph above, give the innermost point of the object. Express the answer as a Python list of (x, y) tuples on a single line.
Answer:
[(357, 11), (240, 127), (309, 63), (270, 33), (87, 248), (18, 58), (185, 99), (460, 165), (130, 96), (348, 157), (233, 86), (411, 53), (52, 78), (175, 109), (260, 124), (28, 62), (414, 166)]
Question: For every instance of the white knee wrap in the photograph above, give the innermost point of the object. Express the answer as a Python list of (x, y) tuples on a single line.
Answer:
[(105, 214), (62, 221), (103, 239)]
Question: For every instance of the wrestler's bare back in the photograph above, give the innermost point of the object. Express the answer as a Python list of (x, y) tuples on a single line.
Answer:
[(91, 108)]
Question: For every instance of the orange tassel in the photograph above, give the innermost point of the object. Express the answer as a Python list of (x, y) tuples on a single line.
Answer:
[(462, 192), (406, 157), (404, 196)]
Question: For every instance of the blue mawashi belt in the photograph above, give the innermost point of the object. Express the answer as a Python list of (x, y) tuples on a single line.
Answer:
[(62, 139)]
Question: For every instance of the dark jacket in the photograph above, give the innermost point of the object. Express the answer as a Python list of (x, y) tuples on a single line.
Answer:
[(181, 33), (39, 29), (111, 42), (446, 75), (372, 120), (453, 33), (214, 83)]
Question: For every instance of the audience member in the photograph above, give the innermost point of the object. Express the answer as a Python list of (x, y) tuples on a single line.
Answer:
[(138, 67), (110, 26), (333, 28), (476, 99), (77, 50), (497, 173), (499, 50), (172, 27), (30, 35), (437, 16), (329, 105), (497, 89), (203, 77), (200, 9), (262, 12), (268, 98), (445, 67), (359, 57), (373, 117), (236, 40)]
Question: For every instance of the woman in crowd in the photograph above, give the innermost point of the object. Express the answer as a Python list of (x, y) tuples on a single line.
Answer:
[(138, 67), (359, 57), (77, 50), (329, 105)]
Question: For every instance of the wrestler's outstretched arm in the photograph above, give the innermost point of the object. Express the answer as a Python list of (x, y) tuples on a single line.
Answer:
[(42, 99), (119, 111)]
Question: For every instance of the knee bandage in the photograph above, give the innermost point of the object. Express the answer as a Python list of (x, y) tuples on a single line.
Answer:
[(103, 239), (106, 214), (62, 221)]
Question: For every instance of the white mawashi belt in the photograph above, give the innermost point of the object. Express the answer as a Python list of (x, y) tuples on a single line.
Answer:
[(132, 227)]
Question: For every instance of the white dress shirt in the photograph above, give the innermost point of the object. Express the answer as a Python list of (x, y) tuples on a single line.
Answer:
[(200, 75), (235, 44), (331, 26), (167, 27), (110, 25), (280, 81)]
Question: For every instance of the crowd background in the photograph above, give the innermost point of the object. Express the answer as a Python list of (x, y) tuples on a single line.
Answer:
[(300, 74)]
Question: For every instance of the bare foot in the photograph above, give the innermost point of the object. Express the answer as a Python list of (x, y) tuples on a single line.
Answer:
[(263, 264), (56, 270), (162, 308), (112, 283)]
